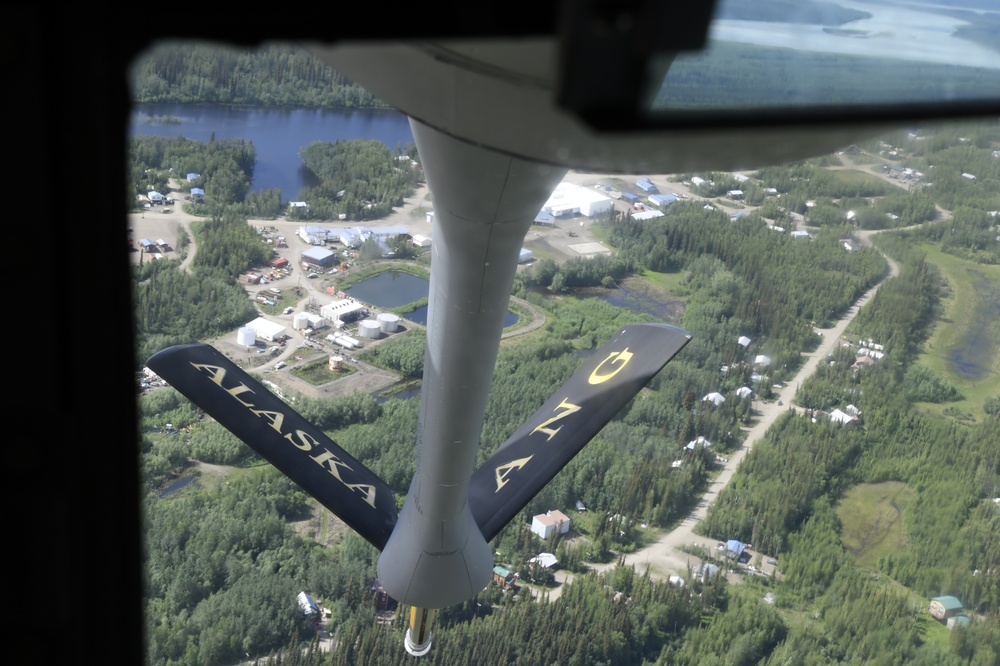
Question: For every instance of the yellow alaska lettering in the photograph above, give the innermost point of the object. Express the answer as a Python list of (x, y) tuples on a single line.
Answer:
[(273, 418), (334, 465), (368, 491), (568, 408), (306, 441), (217, 374), (504, 470), (621, 359)]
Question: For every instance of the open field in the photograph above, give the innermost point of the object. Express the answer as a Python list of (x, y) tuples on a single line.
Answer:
[(871, 519), (965, 345)]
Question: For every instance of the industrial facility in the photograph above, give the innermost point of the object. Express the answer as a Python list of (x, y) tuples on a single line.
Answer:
[(568, 200)]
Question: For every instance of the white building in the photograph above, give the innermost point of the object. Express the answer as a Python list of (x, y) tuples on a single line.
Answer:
[(549, 523), (838, 416), (314, 235), (344, 310), (267, 329), (568, 200), (524, 256), (715, 398)]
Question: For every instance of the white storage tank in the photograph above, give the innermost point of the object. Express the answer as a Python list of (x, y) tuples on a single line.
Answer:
[(246, 336), (369, 328), (388, 322), (336, 362), (301, 321), (345, 341)]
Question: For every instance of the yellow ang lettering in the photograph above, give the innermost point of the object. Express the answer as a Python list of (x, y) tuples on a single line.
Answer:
[(568, 408), (621, 359), (503, 470)]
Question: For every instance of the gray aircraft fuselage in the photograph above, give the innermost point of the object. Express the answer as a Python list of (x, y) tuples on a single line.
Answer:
[(437, 556)]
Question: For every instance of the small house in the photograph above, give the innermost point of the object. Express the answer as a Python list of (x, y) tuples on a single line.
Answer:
[(662, 199), (715, 398), (549, 523), (837, 416), (944, 607), (197, 193), (646, 185), (503, 578), (307, 604)]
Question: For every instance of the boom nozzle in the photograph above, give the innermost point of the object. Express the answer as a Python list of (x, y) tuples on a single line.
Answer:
[(418, 634)]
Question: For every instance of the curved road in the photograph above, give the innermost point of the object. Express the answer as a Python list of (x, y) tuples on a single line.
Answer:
[(664, 557)]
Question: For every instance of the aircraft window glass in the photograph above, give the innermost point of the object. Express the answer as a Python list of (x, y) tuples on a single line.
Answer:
[(779, 55)]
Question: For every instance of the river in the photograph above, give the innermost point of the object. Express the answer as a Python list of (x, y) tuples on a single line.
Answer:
[(277, 134)]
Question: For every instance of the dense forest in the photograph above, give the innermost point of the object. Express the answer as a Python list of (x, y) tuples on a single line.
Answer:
[(226, 555), (224, 170), (271, 75), (174, 306), (362, 179), (735, 76)]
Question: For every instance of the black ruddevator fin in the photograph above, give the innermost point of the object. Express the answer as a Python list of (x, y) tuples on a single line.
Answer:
[(282, 436), (568, 420)]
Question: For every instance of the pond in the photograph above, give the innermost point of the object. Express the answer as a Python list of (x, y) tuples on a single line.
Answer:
[(390, 289), (393, 289), (177, 485), (971, 358)]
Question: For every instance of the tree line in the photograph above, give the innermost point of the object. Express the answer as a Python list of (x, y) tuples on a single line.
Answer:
[(270, 75)]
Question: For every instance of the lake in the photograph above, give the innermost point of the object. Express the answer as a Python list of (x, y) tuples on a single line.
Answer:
[(393, 289), (277, 134)]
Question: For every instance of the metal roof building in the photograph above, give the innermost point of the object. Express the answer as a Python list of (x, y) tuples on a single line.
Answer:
[(568, 199), (318, 256)]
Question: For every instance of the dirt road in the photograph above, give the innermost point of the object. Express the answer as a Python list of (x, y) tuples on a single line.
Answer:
[(664, 557)]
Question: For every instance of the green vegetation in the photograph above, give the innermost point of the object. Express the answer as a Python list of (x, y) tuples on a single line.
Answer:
[(734, 75), (347, 280), (969, 299), (271, 75), (871, 520), (361, 179), (225, 171), (318, 372)]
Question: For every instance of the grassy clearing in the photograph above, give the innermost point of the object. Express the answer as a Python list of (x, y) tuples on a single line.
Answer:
[(319, 373), (857, 177), (962, 310), (871, 518), (671, 282)]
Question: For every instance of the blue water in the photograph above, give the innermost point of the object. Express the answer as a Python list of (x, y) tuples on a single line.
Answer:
[(177, 485), (277, 134), (394, 289), (390, 289)]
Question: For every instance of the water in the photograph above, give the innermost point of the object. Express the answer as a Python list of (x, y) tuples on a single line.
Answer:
[(390, 289), (277, 134), (893, 31), (972, 357), (393, 289), (176, 485)]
